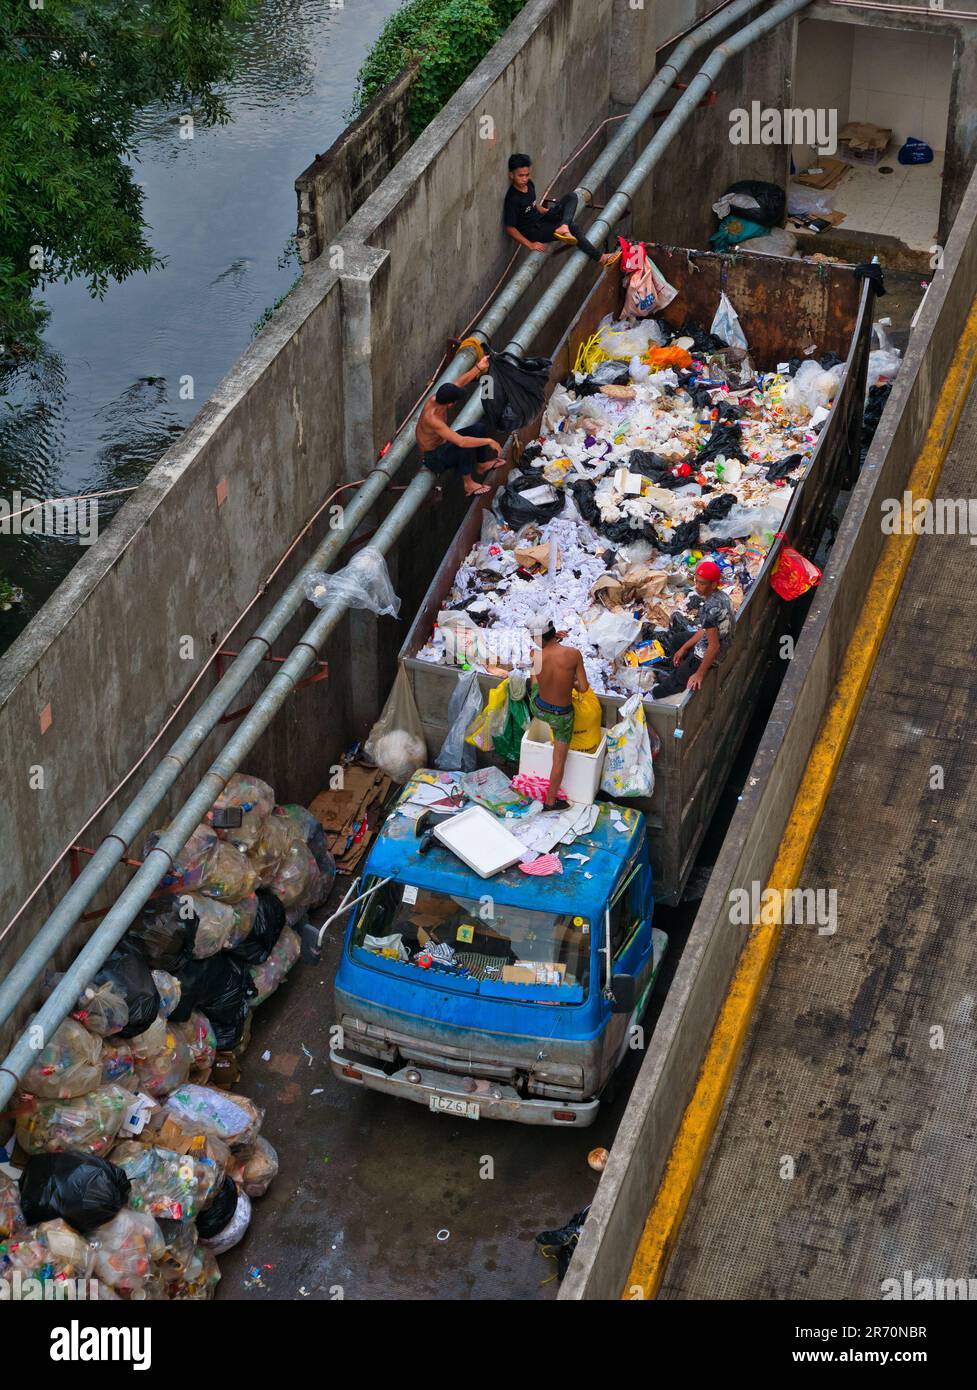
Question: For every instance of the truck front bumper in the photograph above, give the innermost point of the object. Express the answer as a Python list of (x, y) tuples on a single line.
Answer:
[(494, 1099)]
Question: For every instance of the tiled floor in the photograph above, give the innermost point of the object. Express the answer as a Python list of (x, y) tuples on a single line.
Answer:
[(904, 204)]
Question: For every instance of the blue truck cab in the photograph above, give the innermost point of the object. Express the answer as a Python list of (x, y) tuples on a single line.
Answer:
[(513, 997)]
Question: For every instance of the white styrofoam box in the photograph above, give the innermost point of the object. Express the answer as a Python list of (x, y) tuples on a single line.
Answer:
[(581, 778)]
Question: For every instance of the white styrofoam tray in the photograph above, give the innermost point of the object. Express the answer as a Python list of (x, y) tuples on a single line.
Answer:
[(479, 841)]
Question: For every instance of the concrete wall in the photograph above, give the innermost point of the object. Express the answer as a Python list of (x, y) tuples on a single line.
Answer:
[(668, 1075), (338, 182)]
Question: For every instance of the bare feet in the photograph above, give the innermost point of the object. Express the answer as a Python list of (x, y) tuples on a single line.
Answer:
[(473, 489)]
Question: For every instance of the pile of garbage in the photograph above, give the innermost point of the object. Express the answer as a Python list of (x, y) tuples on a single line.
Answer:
[(140, 1168), (662, 448)]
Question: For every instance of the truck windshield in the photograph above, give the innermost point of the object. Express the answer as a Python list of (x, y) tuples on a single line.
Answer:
[(437, 932)]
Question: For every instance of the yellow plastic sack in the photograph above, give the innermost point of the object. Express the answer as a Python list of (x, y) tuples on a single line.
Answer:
[(490, 721), (587, 715)]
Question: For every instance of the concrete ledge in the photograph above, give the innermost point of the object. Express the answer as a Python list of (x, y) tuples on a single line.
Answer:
[(602, 1260)]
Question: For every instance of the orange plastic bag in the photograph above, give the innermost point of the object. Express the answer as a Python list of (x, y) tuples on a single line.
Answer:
[(793, 575), (659, 358)]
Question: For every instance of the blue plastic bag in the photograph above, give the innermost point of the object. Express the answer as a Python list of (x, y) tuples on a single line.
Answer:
[(915, 152)]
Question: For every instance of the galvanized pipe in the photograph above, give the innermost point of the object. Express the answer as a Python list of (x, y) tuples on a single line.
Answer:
[(141, 887), (135, 817)]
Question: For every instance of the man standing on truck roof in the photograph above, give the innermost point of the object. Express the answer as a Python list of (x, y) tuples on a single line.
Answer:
[(469, 450), (536, 224), (559, 672), (710, 641)]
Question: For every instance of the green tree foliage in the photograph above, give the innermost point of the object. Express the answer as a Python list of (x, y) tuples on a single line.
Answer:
[(448, 38), (73, 77)]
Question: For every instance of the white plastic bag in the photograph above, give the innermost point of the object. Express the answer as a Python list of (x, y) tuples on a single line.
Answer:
[(396, 743), (363, 583), (466, 702), (809, 202), (628, 769), (626, 340), (777, 242), (748, 521), (812, 386), (726, 324), (612, 633)]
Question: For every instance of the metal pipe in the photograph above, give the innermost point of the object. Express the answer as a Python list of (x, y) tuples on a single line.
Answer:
[(935, 11), (135, 817), (141, 887)]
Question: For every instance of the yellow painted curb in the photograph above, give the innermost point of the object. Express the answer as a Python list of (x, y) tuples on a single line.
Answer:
[(703, 1111)]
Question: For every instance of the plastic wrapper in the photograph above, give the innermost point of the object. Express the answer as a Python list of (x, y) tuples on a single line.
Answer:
[(125, 1249), (269, 974), (118, 1064), (168, 1184), (49, 1251), (81, 1189), (198, 1034), (86, 1123), (11, 1215), (628, 767), (127, 970), (255, 799), (168, 988), (69, 1065), (102, 1009), (296, 881), (363, 583), (166, 1069), (220, 987), (234, 1119), (233, 1231), (793, 574), (810, 202), (255, 1168), (396, 742)]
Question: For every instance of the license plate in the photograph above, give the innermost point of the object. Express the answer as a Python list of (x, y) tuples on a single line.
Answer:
[(448, 1105)]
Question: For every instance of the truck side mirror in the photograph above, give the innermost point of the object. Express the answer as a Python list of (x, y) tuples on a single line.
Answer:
[(624, 994)]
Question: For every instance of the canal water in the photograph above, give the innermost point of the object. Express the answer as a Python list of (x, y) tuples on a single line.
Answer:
[(104, 400)]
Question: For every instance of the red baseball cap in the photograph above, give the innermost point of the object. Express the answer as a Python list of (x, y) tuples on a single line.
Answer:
[(708, 569)]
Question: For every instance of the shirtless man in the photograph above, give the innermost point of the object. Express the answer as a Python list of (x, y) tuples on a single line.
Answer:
[(442, 448), (559, 672)]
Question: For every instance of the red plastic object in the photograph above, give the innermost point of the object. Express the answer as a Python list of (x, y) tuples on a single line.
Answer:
[(793, 574)]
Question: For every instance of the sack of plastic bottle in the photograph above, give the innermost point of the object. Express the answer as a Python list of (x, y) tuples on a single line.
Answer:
[(196, 1282), (224, 1223), (172, 1185), (230, 877), (153, 1040), (192, 863), (793, 574), (102, 1009), (269, 974), (125, 1249), (68, 1065), (234, 1119), (118, 1063), (254, 797), (11, 1213), (628, 768), (198, 1034), (277, 836), (49, 1251), (315, 837), (163, 1071), (87, 1123), (296, 879), (255, 1167)]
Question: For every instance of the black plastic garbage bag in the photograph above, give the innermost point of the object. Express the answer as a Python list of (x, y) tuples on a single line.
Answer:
[(781, 467), (78, 1188), (261, 940), (560, 1245), (702, 340), (582, 491), (652, 465), (220, 987), (720, 506), (518, 511), (518, 390), (772, 199), (684, 537), (212, 1221), (725, 439), (127, 970)]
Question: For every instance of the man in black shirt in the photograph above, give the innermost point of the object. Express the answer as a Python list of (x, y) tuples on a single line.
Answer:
[(533, 225)]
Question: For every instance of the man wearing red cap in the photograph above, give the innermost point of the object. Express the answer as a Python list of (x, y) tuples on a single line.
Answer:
[(713, 615)]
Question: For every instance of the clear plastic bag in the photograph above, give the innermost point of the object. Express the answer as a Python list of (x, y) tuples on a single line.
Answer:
[(125, 1249), (11, 1215), (256, 1168), (198, 1034), (396, 743), (463, 708), (726, 324), (625, 340), (278, 835), (102, 1009), (167, 1184), (166, 1069), (812, 386), (168, 988), (296, 878), (87, 1123), (229, 876), (612, 633), (746, 521), (221, 925), (255, 798), (191, 864), (69, 1065), (363, 583), (628, 769), (206, 1110), (118, 1064), (269, 974), (234, 1230), (151, 1041), (50, 1251), (809, 202)]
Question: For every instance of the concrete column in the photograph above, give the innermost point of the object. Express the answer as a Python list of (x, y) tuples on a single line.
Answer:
[(634, 27)]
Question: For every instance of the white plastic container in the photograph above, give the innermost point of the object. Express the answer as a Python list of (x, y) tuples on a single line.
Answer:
[(581, 777), (480, 841)]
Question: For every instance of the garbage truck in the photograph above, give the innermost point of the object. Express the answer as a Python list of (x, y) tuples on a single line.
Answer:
[(511, 996)]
